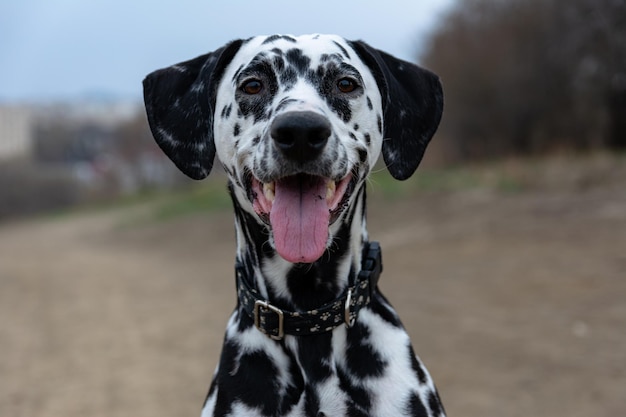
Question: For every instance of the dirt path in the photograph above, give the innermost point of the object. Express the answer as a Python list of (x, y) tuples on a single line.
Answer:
[(516, 302)]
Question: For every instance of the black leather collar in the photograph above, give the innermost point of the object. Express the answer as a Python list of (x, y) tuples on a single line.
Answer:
[(276, 323)]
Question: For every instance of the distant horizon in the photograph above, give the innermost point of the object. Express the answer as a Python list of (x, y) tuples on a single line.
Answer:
[(103, 97), (67, 50)]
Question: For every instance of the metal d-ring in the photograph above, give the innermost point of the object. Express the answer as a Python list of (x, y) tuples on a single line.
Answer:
[(346, 310)]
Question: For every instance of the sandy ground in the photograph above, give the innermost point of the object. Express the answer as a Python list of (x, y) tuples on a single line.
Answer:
[(516, 301)]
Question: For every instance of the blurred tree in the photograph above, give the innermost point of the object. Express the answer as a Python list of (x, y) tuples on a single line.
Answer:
[(67, 142), (133, 138), (529, 76)]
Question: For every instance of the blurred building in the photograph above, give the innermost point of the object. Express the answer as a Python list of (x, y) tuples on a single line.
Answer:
[(16, 132)]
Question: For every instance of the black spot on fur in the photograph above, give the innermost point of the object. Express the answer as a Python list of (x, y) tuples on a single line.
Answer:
[(279, 63), (211, 390), (343, 50), (236, 130), (356, 126), (362, 156), (368, 139), (295, 389), (312, 285), (369, 104), (379, 123), (244, 322), (274, 38), (312, 402), (379, 306), (352, 135), (341, 107), (225, 399), (314, 352), (238, 72), (359, 399), (435, 404), (417, 367), (330, 57), (296, 58), (229, 171), (362, 360), (415, 406), (263, 160), (283, 103), (271, 39), (288, 78), (363, 198), (251, 378), (226, 111)]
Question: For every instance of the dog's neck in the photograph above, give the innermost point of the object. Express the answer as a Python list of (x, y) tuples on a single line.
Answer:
[(301, 287)]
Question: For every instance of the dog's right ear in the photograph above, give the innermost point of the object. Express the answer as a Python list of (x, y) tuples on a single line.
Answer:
[(180, 103), (412, 107)]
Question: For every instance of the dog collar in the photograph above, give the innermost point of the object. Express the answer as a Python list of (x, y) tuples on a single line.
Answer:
[(275, 322)]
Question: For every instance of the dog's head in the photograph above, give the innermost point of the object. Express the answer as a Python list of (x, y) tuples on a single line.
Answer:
[(297, 123)]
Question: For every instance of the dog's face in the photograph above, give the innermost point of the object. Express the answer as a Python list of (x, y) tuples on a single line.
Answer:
[(297, 123)]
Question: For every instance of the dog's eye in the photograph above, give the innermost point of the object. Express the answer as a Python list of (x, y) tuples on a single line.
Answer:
[(346, 85), (252, 87)]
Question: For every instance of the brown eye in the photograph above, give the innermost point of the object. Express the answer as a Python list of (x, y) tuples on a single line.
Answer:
[(346, 85), (252, 87)]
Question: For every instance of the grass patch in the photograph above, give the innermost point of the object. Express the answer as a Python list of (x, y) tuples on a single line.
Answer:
[(212, 195), (507, 176), (203, 198), (452, 179)]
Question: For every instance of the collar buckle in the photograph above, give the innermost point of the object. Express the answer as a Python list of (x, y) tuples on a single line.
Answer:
[(260, 304)]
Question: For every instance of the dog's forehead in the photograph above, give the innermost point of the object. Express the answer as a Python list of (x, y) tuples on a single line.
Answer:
[(315, 47)]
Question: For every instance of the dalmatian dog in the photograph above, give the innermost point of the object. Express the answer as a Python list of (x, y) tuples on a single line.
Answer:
[(297, 124)]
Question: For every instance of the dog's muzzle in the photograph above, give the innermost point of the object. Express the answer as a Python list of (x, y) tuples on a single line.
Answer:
[(301, 199)]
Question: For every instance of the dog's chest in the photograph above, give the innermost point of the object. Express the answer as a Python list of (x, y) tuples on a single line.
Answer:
[(367, 370)]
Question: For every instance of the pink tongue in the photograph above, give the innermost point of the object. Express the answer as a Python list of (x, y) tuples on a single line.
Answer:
[(299, 218)]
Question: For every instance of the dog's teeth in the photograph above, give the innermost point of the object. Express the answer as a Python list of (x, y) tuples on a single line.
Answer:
[(268, 191), (330, 190)]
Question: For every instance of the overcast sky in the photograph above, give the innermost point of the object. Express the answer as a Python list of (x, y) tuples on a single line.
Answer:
[(64, 49)]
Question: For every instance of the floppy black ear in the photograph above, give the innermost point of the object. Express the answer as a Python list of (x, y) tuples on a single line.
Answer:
[(412, 107), (180, 102)]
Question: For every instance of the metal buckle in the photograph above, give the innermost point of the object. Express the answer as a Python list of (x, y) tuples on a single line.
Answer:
[(346, 310), (264, 304)]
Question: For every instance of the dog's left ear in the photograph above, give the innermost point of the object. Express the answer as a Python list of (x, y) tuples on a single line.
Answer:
[(180, 103), (412, 107)]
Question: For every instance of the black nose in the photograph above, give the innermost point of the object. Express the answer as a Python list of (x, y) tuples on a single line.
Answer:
[(300, 135)]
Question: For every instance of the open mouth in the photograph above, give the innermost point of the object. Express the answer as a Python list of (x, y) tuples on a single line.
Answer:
[(300, 208)]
